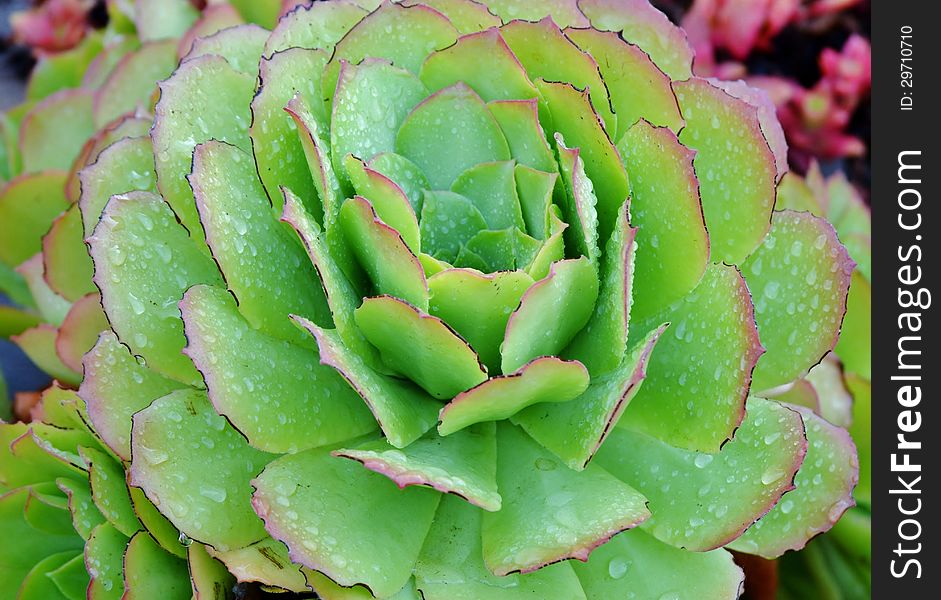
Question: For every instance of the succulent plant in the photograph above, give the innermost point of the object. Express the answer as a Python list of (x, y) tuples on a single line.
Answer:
[(434, 296)]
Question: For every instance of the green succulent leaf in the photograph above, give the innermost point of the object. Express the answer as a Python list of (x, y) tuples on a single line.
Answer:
[(109, 490), (52, 133), (800, 277), (266, 561), (403, 411), (130, 84), (573, 514), (125, 166), (735, 166), (666, 209), (275, 393), (204, 492), (326, 525), (144, 261), (534, 329), (151, 573), (420, 346), (575, 430), (463, 464), (697, 381), (451, 565), (104, 558), (66, 265), (115, 387), (820, 497), (28, 206), (634, 562), (703, 501), (79, 331)]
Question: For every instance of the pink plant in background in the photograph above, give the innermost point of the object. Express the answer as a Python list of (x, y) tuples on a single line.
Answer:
[(816, 119), (52, 26)]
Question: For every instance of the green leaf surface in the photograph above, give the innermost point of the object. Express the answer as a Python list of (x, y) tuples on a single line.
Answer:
[(551, 513), (265, 561), (162, 19), (697, 381), (319, 25), (28, 206), (492, 189), (502, 250), (478, 306), (125, 126), (519, 120), (125, 166), (329, 525), (579, 205), (156, 524), (391, 204), (638, 88), (85, 515), (276, 145), (450, 132), (104, 559), (109, 491), (205, 491), (51, 306), (545, 379), (640, 23), (53, 131), (734, 164), (602, 343), (666, 209), (39, 344), (535, 329), (574, 118), (564, 12), (448, 222), (575, 430), (38, 585), (451, 566), (404, 173), (79, 331), (241, 45), (463, 464), (799, 277), (144, 261), (391, 266), (66, 265), (483, 62), (133, 80), (151, 573), (703, 501), (274, 393), (403, 411), (547, 54), (824, 491), (245, 238), (635, 562), (181, 123), (361, 124), (71, 578), (115, 387), (419, 346), (209, 578), (468, 16)]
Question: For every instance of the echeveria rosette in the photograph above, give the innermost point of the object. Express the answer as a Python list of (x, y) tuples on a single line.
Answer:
[(404, 242)]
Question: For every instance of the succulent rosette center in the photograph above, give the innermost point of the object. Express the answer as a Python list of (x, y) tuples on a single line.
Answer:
[(434, 296)]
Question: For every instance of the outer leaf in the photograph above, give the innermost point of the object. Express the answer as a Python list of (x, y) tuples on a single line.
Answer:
[(327, 526), (79, 331), (464, 464), (245, 238), (451, 567), (403, 411), (266, 562), (209, 577), (241, 45), (635, 562), (53, 131), (28, 206), (67, 267), (180, 123), (642, 24), (161, 19), (115, 387), (535, 328), (573, 514), (824, 486), (131, 83), (575, 430), (144, 260), (563, 12), (319, 25), (734, 164), (39, 344), (420, 346), (205, 491), (388, 199), (276, 394), (150, 572), (694, 395), (799, 276), (544, 379), (109, 490), (125, 166), (703, 501), (638, 89), (666, 209), (104, 560)]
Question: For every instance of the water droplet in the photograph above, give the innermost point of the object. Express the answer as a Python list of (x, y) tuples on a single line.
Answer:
[(618, 567)]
